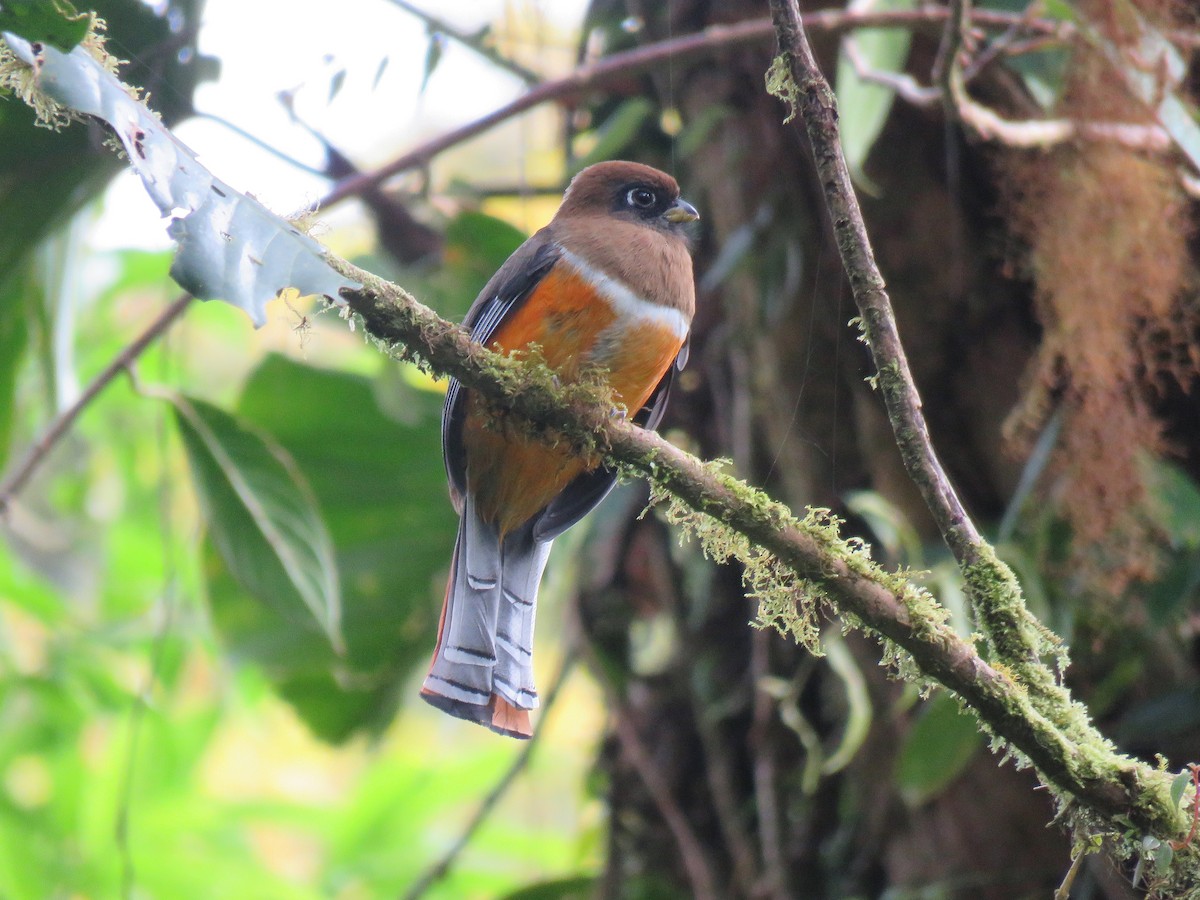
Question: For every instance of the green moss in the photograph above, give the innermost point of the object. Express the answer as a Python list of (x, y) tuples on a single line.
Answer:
[(781, 84), (787, 602)]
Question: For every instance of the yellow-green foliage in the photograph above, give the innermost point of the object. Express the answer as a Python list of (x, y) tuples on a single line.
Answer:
[(786, 601), (780, 84)]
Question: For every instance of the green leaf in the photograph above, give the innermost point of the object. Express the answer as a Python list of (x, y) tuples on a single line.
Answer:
[(1175, 500), (380, 483), (476, 245), (1178, 785), (14, 340), (433, 56), (480, 243), (942, 742), (57, 23), (262, 516), (863, 107), (893, 532), (1163, 857), (1149, 723), (298, 662), (859, 712), (700, 129), (618, 131), (579, 887)]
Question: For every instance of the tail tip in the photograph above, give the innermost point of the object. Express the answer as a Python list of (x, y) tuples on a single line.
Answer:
[(509, 720), (497, 714)]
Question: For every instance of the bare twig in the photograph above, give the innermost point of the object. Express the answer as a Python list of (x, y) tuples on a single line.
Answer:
[(902, 83), (818, 108), (991, 126), (441, 868), (268, 146), (719, 771), (141, 704), (1063, 891), (1050, 132), (691, 851), (711, 41), (472, 42), (64, 420), (766, 788)]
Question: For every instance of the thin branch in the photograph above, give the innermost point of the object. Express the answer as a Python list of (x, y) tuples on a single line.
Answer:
[(141, 705), (907, 87), (1016, 639), (441, 868), (1072, 756), (474, 42), (62, 423), (766, 789), (268, 146), (719, 771), (1039, 133), (819, 111), (1042, 133), (717, 39), (691, 851), (710, 42), (619, 65)]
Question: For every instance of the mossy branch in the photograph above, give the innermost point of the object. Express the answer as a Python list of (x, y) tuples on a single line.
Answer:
[(1016, 640), (1029, 689), (792, 562)]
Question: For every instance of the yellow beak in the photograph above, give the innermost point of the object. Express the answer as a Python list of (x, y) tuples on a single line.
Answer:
[(681, 211)]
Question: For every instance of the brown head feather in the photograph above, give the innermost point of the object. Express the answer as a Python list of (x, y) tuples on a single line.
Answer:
[(594, 189), (643, 249)]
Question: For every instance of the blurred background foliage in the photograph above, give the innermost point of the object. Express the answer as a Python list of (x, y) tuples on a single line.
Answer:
[(219, 590)]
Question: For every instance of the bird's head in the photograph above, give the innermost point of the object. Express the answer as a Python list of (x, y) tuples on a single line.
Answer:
[(629, 191)]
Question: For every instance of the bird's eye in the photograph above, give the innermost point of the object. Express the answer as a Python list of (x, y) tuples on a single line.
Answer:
[(641, 198)]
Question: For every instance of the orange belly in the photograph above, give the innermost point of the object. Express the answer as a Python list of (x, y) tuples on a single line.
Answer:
[(513, 477)]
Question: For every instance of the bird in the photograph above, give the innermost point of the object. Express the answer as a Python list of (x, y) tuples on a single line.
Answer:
[(606, 286)]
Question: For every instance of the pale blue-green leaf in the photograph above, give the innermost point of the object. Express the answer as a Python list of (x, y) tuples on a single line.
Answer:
[(863, 106), (262, 516), (231, 247), (433, 56), (892, 531), (860, 712), (336, 83)]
